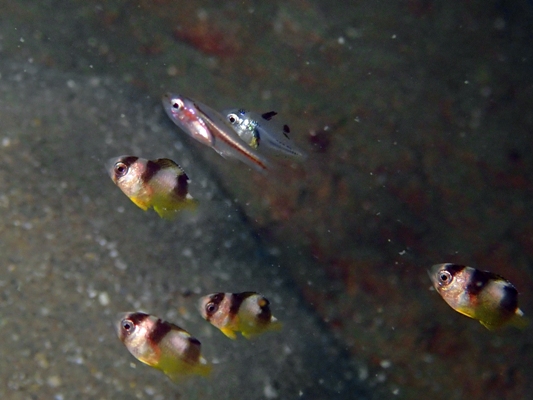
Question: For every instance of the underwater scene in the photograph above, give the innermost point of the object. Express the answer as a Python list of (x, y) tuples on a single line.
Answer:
[(298, 199)]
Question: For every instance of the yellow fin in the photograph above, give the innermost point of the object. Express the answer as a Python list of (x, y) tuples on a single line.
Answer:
[(203, 369), (275, 325), (249, 335), (229, 333), (170, 211), (142, 205), (178, 376), (518, 321), (489, 326), (180, 370)]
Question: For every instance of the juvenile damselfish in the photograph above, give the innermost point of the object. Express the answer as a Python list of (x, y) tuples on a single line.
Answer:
[(162, 345), (159, 184), (263, 132), (481, 295), (247, 312), (211, 128)]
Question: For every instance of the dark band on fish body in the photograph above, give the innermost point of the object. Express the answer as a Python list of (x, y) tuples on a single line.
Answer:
[(478, 281), (129, 160), (509, 300), (159, 331), (265, 315), (454, 268), (152, 168), (192, 352), (182, 186), (137, 318), (236, 301)]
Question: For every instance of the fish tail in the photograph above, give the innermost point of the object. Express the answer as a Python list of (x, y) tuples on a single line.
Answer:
[(203, 369), (519, 320), (275, 325)]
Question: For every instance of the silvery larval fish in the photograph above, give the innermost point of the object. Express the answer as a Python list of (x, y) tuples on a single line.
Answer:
[(162, 345), (210, 128), (247, 312), (260, 131), (161, 184), (481, 295)]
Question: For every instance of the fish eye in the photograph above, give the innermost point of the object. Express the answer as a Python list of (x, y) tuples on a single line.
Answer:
[(445, 278), (233, 119), (177, 104), (211, 308), (121, 169), (128, 326)]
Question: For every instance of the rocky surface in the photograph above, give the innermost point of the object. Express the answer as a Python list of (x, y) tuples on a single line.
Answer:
[(75, 252), (414, 115)]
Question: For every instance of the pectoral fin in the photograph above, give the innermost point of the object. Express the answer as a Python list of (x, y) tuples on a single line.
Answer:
[(229, 333), (141, 204)]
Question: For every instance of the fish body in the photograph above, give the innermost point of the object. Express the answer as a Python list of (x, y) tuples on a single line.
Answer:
[(247, 312), (162, 345), (263, 132), (481, 295), (159, 184), (210, 128)]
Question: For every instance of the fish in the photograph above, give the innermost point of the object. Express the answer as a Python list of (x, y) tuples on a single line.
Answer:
[(159, 184), (247, 312), (161, 345), (482, 295), (210, 128), (261, 131)]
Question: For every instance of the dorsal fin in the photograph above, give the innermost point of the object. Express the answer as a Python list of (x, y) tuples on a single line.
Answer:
[(268, 115)]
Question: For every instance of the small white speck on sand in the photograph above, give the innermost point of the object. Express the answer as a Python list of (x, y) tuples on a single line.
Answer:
[(269, 391), (54, 381), (103, 298)]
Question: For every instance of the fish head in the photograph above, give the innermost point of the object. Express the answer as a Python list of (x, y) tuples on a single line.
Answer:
[(124, 325), (234, 116), (129, 325), (451, 281), (209, 305), (184, 112), (119, 167), (442, 276)]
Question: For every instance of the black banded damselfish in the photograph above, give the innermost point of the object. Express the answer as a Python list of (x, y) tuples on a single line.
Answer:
[(481, 295), (162, 345), (159, 184), (246, 312)]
